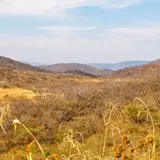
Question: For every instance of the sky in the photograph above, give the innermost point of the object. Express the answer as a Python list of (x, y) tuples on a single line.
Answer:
[(84, 31)]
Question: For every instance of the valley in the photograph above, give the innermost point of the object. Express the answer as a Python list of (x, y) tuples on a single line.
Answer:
[(74, 116)]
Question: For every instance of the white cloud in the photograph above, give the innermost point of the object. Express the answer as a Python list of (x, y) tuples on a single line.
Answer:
[(117, 3), (56, 7), (107, 47), (141, 33), (65, 30), (151, 33)]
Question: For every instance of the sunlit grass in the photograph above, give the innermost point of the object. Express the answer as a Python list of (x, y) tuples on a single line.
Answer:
[(15, 93)]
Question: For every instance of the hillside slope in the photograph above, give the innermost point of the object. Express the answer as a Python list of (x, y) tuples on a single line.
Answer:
[(71, 67), (8, 63), (156, 61), (140, 71), (17, 74)]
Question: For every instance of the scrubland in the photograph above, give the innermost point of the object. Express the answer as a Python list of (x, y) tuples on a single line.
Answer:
[(69, 117)]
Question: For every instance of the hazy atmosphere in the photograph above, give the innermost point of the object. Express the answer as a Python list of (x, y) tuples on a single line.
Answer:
[(83, 31)]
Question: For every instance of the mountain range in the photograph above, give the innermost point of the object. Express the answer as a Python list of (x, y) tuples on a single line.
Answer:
[(75, 68), (104, 66), (71, 68), (94, 69)]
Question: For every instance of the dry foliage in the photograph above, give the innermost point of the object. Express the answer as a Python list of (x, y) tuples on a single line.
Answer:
[(74, 117)]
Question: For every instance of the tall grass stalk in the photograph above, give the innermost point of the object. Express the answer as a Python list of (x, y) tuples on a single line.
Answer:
[(17, 122), (154, 154), (107, 123)]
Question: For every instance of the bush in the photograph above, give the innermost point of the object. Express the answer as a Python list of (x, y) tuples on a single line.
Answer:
[(134, 113)]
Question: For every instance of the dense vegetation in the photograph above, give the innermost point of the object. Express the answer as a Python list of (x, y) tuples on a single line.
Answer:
[(75, 117)]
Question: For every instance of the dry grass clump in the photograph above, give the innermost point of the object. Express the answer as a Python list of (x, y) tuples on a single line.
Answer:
[(147, 146), (5, 113)]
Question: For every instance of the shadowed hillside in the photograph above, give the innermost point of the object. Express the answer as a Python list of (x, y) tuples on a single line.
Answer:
[(78, 72)]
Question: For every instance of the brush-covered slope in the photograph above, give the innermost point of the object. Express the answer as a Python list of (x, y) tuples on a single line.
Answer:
[(156, 61), (7, 63), (140, 71), (16, 74)]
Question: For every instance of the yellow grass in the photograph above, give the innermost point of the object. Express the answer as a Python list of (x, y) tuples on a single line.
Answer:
[(16, 92), (89, 80)]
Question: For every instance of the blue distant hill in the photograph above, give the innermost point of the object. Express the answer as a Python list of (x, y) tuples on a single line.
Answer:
[(118, 66), (107, 66)]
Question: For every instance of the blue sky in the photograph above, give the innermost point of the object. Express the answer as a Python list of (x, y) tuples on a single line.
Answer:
[(86, 31)]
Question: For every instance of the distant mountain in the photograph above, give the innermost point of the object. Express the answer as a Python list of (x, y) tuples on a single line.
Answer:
[(75, 68), (103, 66), (139, 71), (118, 66), (8, 63)]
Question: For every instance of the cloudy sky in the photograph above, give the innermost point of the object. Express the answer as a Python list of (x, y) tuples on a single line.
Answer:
[(53, 31)]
